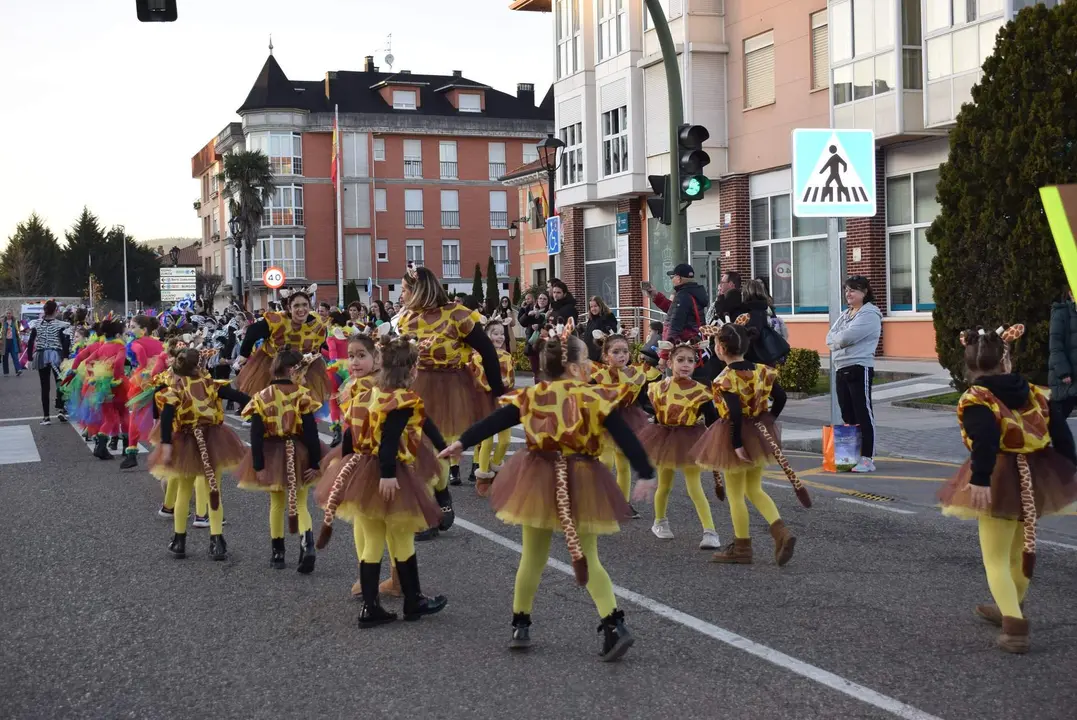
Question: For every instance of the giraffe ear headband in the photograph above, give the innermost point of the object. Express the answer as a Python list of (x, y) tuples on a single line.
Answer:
[(564, 332), (1008, 335), (309, 290)]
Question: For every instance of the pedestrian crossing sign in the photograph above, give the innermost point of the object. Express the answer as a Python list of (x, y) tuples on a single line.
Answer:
[(833, 173)]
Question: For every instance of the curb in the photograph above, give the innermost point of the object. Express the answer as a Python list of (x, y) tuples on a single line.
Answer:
[(933, 407), (811, 445)]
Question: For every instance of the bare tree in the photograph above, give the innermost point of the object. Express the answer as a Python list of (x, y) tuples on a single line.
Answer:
[(19, 272), (208, 286)]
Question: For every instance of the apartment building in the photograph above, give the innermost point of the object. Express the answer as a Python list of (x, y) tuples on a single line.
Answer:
[(529, 182), (421, 158), (216, 254)]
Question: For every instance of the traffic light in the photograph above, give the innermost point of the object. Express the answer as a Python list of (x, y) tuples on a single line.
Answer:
[(156, 10), (659, 205), (692, 160)]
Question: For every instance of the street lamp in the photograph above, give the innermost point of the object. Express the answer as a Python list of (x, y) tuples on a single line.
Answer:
[(173, 254), (548, 153), (513, 229), (235, 225), (123, 239)]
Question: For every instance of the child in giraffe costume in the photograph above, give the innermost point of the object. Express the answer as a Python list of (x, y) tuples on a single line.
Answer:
[(336, 354), (1021, 467), (744, 439), (679, 404), (487, 460), (146, 349), (560, 484), (285, 455), (194, 446)]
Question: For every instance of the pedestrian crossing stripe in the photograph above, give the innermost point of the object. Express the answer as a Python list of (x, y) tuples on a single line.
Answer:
[(833, 173), (142, 449), (834, 178)]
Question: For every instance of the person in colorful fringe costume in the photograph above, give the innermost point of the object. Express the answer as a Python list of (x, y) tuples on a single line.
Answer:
[(336, 354), (145, 349), (379, 487), (195, 447), (679, 403), (559, 484), (454, 399), (1021, 467), (618, 370), (102, 405), (297, 329), (742, 442), (285, 454), (71, 383), (488, 461)]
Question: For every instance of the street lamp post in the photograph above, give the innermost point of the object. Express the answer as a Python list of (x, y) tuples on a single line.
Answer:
[(123, 239), (235, 225), (173, 255), (549, 154), (514, 227)]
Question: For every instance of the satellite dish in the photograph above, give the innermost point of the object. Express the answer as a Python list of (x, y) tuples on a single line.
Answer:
[(389, 60)]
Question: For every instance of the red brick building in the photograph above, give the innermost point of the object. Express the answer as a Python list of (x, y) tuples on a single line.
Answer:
[(421, 158)]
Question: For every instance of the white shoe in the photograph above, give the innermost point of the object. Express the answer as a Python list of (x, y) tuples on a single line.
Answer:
[(46, 421), (661, 529), (200, 522), (866, 465), (710, 540)]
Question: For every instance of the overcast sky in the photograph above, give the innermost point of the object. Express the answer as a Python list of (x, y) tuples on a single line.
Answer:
[(103, 111)]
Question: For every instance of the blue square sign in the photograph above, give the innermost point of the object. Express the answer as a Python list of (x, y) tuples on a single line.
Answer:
[(553, 235), (833, 173)]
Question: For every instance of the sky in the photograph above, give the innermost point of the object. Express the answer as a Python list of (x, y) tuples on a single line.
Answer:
[(103, 111)]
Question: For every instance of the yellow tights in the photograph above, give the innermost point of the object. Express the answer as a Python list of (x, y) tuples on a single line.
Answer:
[(614, 458), (376, 535), (695, 492), (184, 488), (486, 449), (360, 542), (533, 559), (1002, 543), (747, 482), (201, 496), (278, 504)]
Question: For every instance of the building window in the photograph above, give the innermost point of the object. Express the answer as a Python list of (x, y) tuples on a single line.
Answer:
[(567, 22), (820, 52), (537, 211), (450, 208), (413, 158), (612, 28), (759, 70), (213, 184), (381, 247), (403, 99), (450, 258), (285, 151), (447, 156), (962, 50), (285, 207), (531, 153), (941, 14), (572, 155), (911, 207), (912, 53), (615, 141), (379, 200), (499, 251), (499, 210), (414, 252), (470, 102), (379, 149), (217, 261), (648, 24), (215, 225), (600, 263), (413, 208), (287, 253), (497, 160), (859, 29)]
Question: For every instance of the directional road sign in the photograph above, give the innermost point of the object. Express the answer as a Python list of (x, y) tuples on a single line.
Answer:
[(553, 235), (833, 173)]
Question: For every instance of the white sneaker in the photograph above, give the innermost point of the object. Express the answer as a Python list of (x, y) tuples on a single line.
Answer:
[(661, 529), (200, 522), (866, 465), (46, 421), (710, 540)]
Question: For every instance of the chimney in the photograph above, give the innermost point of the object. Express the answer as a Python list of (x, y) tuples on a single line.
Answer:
[(405, 72), (368, 64), (458, 73), (525, 92)]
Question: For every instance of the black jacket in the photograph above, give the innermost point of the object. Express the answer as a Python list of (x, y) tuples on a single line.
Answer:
[(687, 312), (606, 323), (561, 310)]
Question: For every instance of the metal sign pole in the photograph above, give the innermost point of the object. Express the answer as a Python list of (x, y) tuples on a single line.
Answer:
[(834, 285)]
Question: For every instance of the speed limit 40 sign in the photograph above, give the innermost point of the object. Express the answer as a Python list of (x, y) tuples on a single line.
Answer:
[(273, 278)]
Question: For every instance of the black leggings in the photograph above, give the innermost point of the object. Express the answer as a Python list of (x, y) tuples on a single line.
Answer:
[(854, 398), (43, 375)]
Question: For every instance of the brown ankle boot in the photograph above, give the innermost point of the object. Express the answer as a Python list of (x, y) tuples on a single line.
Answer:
[(990, 613), (784, 542), (391, 587), (738, 552), (1014, 637)]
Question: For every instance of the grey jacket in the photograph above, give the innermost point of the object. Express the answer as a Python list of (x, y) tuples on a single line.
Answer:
[(853, 341), (1062, 359)]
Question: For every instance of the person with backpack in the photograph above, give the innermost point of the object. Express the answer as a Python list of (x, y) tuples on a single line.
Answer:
[(771, 347), (685, 311)]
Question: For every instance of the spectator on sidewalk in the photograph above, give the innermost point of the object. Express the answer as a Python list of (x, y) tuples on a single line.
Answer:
[(852, 341), (562, 304), (1062, 355), (599, 317), (730, 301), (685, 312), (12, 342)]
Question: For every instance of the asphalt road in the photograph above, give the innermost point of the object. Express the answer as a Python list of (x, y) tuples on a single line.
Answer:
[(871, 619)]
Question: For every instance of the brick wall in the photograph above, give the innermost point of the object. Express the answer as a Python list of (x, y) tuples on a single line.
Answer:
[(733, 199), (571, 262), (869, 235)]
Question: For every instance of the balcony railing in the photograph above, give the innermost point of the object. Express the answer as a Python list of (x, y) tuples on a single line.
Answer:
[(502, 269), (413, 168), (292, 267), (448, 170), (450, 218), (450, 268), (499, 220), (497, 169), (413, 218)]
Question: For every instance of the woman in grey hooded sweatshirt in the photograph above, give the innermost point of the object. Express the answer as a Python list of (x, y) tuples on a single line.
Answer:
[(852, 342)]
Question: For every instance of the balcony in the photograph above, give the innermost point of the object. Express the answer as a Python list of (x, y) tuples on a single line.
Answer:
[(450, 219), (450, 268), (413, 218), (502, 268), (497, 169), (413, 168), (449, 170), (499, 220)]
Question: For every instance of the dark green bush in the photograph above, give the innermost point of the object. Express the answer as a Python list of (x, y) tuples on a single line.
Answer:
[(800, 372)]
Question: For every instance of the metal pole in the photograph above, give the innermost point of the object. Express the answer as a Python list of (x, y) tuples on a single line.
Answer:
[(678, 220), (551, 177), (834, 287), (123, 239)]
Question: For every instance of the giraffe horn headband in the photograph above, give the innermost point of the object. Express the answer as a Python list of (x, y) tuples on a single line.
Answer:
[(1010, 334)]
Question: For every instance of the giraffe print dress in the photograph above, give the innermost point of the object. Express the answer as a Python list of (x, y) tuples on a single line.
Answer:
[(715, 450), (282, 408), (307, 338), (677, 427)]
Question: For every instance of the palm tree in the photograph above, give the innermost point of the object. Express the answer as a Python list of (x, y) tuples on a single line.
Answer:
[(249, 185)]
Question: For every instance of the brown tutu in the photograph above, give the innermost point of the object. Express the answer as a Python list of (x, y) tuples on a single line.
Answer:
[(714, 450), (1053, 486), (412, 509), (670, 446), (255, 376), (452, 399), (273, 450), (524, 493), (427, 465), (635, 417), (226, 452)]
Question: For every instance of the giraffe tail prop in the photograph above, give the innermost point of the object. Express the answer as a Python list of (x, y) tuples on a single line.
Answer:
[(207, 469), (568, 526), (334, 501), (293, 511), (783, 462), (1028, 517), (719, 486)]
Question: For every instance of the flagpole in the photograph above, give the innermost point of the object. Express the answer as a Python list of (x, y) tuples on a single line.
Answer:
[(340, 203)]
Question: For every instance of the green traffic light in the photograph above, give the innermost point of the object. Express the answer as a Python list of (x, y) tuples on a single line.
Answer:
[(696, 186)]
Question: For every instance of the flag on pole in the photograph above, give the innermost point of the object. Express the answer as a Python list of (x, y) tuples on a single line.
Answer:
[(336, 150)]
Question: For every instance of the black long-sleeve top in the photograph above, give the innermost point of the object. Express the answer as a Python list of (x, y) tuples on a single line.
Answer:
[(481, 343), (509, 416), (736, 412), (310, 440), (396, 422), (168, 415)]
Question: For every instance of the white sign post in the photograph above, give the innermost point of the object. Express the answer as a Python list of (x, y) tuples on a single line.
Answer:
[(178, 284)]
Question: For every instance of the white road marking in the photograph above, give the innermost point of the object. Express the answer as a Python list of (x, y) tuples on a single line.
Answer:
[(877, 506), (763, 652), (142, 449), (1053, 543), (17, 445), (902, 390), (24, 419)]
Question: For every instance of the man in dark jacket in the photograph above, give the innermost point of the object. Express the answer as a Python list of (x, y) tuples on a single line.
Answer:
[(685, 313)]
